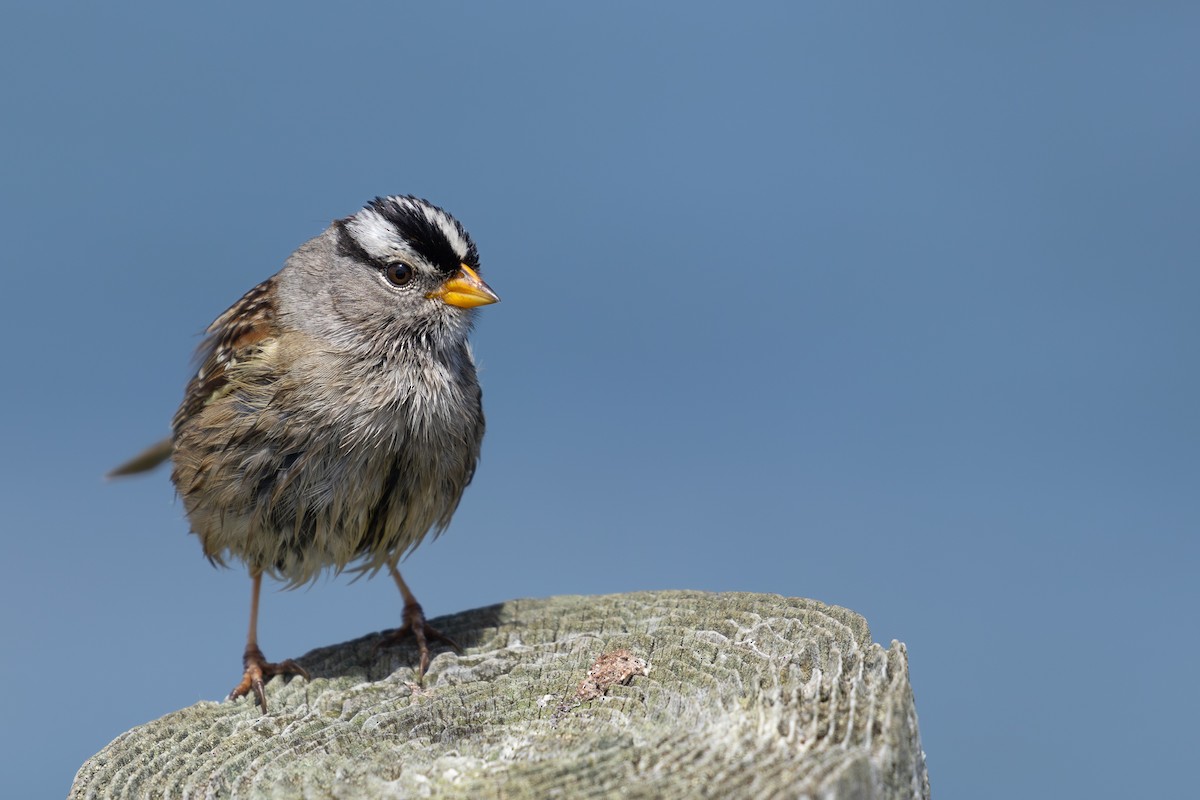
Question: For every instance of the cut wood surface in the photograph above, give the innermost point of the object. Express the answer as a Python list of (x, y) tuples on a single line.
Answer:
[(653, 694)]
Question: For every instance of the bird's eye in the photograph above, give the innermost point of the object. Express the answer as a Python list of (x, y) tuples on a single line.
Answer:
[(399, 273)]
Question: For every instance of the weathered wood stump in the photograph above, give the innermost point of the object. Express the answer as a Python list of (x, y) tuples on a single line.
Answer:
[(718, 695)]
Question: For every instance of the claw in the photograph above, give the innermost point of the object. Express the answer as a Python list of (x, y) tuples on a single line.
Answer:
[(259, 671), (413, 624)]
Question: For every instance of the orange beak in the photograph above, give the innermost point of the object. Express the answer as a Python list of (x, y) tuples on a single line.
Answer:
[(465, 289)]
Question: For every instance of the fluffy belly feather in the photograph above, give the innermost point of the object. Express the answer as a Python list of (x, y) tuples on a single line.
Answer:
[(324, 493)]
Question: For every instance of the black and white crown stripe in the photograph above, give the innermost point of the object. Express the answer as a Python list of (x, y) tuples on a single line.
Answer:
[(387, 227)]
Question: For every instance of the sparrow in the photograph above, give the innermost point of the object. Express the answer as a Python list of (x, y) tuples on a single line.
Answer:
[(335, 417)]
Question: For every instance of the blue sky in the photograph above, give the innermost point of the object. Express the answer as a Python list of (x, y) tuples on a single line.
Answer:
[(889, 306)]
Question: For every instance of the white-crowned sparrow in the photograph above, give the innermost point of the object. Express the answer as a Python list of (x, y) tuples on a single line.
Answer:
[(335, 418)]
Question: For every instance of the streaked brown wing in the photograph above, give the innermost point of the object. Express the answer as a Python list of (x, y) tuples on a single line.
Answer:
[(232, 337)]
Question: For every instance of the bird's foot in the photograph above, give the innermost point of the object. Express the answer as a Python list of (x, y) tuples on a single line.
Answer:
[(259, 671), (414, 624)]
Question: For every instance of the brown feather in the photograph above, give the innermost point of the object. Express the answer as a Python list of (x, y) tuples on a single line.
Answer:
[(232, 337)]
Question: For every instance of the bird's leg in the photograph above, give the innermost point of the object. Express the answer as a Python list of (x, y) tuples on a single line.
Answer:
[(413, 622), (258, 669)]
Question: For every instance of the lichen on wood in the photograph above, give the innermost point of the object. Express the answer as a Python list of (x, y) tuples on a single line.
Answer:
[(729, 695)]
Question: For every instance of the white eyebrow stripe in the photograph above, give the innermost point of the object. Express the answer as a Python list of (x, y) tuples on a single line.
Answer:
[(374, 233), (380, 230), (448, 229)]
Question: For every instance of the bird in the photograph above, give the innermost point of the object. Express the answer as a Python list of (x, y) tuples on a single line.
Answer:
[(335, 417)]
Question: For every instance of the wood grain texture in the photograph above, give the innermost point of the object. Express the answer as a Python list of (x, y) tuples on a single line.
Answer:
[(746, 695)]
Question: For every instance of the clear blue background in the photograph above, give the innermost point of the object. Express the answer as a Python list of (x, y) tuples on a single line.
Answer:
[(889, 305)]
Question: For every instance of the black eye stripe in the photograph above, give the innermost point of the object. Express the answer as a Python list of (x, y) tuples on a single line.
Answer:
[(426, 237), (349, 247), (421, 226)]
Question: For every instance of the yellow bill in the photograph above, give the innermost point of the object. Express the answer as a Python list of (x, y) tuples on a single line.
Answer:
[(465, 289)]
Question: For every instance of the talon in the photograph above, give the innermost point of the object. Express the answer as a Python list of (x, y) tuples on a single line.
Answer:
[(413, 624), (259, 671)]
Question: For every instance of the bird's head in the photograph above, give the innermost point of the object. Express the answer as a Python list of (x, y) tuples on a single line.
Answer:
[(401, 268)]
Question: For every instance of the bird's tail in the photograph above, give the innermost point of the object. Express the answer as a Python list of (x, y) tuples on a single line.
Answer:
[(144, 461)]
